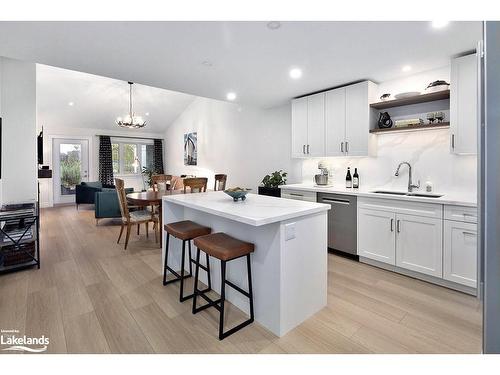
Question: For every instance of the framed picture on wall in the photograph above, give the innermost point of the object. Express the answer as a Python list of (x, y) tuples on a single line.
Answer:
[(190, 148)]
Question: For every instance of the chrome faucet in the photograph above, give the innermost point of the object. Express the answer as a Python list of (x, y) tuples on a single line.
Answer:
[(410, 183)]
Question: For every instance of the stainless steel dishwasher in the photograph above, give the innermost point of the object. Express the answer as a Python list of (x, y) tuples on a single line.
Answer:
[(342, 222)]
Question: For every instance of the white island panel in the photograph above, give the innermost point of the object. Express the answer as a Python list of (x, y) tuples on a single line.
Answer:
[(289, 274)]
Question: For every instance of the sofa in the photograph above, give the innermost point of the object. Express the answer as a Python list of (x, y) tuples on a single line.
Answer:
[(85, 192)]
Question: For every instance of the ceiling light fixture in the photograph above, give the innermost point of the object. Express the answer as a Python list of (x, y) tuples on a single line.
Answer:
[(295, 73), (231, 96), (439, 24), (406, 68), (71, 104), (131, 121), (147, 113)]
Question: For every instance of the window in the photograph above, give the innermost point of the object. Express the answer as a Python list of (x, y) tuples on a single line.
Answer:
[(115, 150), (130, 158)]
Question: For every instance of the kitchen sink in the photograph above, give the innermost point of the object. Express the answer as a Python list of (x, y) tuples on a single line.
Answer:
[(389, 192), (419, 195)]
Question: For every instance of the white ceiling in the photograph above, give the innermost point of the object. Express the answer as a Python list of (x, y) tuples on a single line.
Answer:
[(97, 101), (245, 57)]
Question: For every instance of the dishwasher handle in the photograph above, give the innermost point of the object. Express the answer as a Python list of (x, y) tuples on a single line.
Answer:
[(336, 201)]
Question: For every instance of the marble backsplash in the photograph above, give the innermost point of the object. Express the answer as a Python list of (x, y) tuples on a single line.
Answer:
[(427, 151)]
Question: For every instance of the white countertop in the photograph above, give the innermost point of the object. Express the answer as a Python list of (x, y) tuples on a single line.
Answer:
[(452, 198), (256, 210)]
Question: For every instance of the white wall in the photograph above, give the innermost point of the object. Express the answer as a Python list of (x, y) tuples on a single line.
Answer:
[(243, 142), (427, 151), (53, 132), (18, 112)]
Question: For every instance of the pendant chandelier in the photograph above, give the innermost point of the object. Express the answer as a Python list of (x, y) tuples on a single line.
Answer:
[(131, 121)]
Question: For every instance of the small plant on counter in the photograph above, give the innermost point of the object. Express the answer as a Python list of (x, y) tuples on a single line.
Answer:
[(275, 179)]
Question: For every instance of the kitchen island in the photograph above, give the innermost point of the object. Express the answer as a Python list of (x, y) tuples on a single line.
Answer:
[(289, 265)]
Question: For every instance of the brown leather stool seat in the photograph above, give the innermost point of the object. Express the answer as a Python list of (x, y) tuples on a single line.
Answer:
[(222, 246), (225, 248), (186, 230)]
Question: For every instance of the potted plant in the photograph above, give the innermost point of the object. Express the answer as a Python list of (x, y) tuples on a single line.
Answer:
[(271, 183), (147, 174)]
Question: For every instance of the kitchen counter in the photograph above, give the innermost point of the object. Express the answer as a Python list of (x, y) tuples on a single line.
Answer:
[(450, 198), (256, 210), (290, 239)]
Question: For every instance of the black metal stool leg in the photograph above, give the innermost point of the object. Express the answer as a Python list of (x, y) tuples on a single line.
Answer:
[(190, 259), (165, 265), (183, 259), (222, 298), (208, 272), (250, 289), (196, 273)]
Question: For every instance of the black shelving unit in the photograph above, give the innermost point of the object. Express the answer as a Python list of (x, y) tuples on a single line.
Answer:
[(19, 237)]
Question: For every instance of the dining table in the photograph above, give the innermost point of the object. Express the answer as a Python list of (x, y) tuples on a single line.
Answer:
[(151, 198)]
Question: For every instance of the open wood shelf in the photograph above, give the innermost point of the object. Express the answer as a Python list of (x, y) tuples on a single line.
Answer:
[(422, 98), (442, 125)]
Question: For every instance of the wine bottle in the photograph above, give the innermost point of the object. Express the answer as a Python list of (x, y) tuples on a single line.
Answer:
[(355, 179), (348, 178)]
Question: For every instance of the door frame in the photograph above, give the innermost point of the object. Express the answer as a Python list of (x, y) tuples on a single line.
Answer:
[(49, 154)]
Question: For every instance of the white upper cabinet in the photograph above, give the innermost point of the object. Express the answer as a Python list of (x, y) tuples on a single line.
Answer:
[(357, 118), (463, 105), (335, 123), (299, 127), (316, 125)]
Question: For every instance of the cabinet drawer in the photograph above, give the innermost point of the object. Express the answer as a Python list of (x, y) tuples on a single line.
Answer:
[(300, 195), (461, 213), (402, 207)]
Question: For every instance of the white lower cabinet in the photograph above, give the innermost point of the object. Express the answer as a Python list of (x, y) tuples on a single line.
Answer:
[(460, 252), (431, 239), (376, 238), (419, 244)]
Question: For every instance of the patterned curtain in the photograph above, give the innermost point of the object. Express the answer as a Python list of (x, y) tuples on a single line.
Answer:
[(158, 156), (105, 160)]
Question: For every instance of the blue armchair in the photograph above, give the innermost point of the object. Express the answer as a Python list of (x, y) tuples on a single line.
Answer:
[(107, 205)]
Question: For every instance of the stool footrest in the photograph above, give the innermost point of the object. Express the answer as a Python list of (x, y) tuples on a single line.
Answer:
[(236, 287), (210, 302), (237, 328), (177, 276)]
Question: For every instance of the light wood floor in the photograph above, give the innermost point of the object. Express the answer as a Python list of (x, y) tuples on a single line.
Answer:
[(90, 296)]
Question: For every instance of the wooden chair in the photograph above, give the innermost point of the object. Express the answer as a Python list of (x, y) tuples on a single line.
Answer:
[(130, 218), (196, 184), (176, 183), (220, 182), (157, 180)]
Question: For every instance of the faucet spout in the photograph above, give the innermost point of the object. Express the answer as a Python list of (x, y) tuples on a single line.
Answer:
[(411, 186)]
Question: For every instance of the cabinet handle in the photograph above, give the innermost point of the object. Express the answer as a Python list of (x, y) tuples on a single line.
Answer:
[(303, 149), (453, 141), (398, 226), (469, 233), (308, 149), (342, 147), (336, 201), (296, 194), (346, 147), (392, 225)]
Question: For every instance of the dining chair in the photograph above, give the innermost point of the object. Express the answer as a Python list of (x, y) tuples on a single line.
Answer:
[(220, 182), (176, 183), (130, 218), (196, 184), (159, 182)]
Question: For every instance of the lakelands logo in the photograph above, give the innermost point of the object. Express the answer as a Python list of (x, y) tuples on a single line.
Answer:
[(22, 343)]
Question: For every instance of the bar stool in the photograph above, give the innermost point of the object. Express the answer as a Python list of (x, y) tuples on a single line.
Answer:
[(186, 231), (225, 248)]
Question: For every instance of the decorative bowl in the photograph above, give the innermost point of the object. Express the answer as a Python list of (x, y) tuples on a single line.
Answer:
[(409, 94), (237, 193)]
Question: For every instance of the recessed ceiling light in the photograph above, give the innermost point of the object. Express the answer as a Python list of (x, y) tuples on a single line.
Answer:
[(406, 68), (206, 63), (71, 104), (295, 73), (147, 113), (231, 96), (274, 25), (439, 24)]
